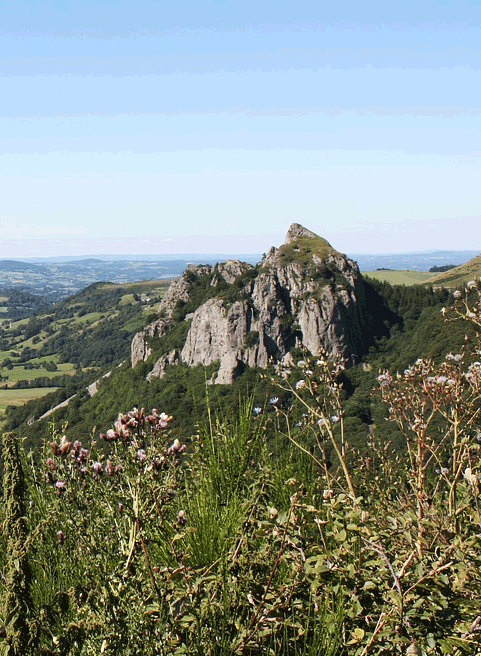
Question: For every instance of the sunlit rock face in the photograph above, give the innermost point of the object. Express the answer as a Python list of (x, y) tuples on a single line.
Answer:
[(303, 293)]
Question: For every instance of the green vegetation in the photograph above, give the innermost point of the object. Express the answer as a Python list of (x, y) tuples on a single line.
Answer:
[(264, 531), (75, 342), (399, 277), (460, 275), (302, 249)]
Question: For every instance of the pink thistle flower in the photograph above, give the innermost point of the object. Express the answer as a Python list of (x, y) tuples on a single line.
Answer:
[(97, 467)]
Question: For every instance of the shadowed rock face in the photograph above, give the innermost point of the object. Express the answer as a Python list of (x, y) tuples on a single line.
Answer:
[(303, 293)]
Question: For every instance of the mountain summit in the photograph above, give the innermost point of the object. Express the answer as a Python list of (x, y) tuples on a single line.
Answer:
[(302, 294), (297, 231)]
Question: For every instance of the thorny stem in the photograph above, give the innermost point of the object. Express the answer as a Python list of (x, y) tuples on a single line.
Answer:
[(251, 631), (340, 452)]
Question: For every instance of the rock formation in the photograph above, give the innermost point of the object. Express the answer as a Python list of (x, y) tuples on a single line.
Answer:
[(304, 293)]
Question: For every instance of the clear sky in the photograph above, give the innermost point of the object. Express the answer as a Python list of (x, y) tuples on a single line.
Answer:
[(209, 126)]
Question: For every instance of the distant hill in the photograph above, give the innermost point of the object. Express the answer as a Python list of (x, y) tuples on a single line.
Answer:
[(460, 275), (15, 265), (418, 261)]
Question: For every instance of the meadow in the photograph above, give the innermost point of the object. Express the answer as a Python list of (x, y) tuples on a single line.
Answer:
[(399, 277)]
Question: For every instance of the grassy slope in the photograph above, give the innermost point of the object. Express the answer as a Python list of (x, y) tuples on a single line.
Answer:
[(460, 275), (400, 277)]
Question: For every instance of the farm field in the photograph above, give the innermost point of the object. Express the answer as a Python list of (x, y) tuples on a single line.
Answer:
[(19, 397), (20, 373), (399, 277)]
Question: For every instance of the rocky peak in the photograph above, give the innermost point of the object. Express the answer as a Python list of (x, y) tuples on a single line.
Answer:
[(302, 293), (297, 231)]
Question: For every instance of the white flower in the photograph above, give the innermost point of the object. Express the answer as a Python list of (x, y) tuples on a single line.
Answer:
[(458, 294), (384, 379), (334, 419), (274, 400), (470, 476), (300, 384), (301, 363), (471, 284)]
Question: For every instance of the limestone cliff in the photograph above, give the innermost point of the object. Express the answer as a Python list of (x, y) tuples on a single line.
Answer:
[(304, 293)]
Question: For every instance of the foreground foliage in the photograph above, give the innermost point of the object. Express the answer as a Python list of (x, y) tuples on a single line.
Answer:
[(265, 533)]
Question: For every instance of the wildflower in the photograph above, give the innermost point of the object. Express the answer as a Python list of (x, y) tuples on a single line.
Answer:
[(470, 476), (301, 363), (60, 537), (60, 487), (83, 455), (109, 468), (300, 384), (50, 462), (257, 410), (471, 284), (141, 455), (458, 294), (335, 419), (309, 372), (97, 467), (120, 507), (454, 358), (65, 446), (158, 463), (274, 400), (181, 518)]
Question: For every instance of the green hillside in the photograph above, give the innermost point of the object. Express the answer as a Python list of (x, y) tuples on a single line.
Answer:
[(75, 343), (399, 277), (460, 275)]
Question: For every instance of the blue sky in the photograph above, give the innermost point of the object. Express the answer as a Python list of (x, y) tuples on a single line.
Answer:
[(210, 126)]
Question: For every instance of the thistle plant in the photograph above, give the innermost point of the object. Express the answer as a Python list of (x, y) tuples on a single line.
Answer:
[(20, 634)]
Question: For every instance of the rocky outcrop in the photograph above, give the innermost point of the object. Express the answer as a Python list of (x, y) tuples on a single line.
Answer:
[(218, 334), (303, 293), (297, 231), (158, 370), (140, 348)]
